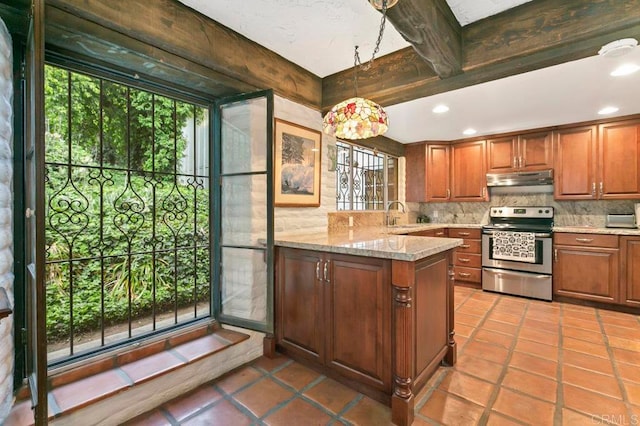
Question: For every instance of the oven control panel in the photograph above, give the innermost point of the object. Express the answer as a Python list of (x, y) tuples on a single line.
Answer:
[(542, 212)]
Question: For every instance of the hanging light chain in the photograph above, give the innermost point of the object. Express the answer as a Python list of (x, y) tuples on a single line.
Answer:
[(383, 21)]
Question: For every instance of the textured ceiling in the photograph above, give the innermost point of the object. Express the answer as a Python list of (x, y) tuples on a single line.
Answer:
[(319, 35), (468, 11)]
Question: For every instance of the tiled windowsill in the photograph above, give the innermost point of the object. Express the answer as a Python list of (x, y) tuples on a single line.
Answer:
[(81, 385)]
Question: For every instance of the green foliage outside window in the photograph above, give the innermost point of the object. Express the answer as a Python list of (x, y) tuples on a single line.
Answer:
[(124, 222)]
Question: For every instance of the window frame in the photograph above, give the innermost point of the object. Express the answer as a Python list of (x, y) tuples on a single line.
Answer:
[(385, 161), (177, 93)]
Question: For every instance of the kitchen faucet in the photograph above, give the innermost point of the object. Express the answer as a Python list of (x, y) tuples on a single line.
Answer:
[(392, 220)]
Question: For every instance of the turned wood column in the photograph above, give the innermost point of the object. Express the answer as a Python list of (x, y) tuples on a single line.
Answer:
[(403, 399), (451, 357)]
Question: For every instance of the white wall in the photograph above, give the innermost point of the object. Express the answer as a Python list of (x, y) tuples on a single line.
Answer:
[(6, 205)]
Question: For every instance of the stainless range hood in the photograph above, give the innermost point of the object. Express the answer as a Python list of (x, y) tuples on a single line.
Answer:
[(521, 182)]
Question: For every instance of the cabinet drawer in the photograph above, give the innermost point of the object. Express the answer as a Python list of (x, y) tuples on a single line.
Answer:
[(427, 233), (442, 232), (469, 246), (464, 233), (463, 273), (467, 259), (594, 240)]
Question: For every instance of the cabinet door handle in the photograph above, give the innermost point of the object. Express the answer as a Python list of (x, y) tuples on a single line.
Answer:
[(593, 189), (464, 234), (465, 246), (520, 161), (515, 162), (584, 240), (484, 191), (463, 260), (601, 188), (464, 274), (448, 193), (318, 271), (555, 255), (326, 272), (439, 234)]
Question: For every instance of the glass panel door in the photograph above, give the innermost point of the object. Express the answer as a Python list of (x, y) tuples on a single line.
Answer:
[(34, 201), (244, 210)]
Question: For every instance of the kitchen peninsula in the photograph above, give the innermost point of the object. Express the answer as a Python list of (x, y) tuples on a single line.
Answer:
[(368, 308)]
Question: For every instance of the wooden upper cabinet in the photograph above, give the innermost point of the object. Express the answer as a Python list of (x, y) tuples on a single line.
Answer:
[(438, 173), (535, 151), (619, 160), (502, 154), (574, 160), (468, 171), (416, 184), (519, 153), (427, 172)]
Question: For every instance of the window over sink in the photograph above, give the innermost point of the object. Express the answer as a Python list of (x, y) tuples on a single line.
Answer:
[(365, 179)]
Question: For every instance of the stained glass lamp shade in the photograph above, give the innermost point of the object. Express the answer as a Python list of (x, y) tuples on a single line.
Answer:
[(356, 118)]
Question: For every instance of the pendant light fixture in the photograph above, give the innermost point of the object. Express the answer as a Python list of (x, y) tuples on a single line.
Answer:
[(357, 117)]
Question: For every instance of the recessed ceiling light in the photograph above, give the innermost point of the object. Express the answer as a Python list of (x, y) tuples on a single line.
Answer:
[(618, 47), (440, 109), (608, 110), (625, 69), (470, 131)]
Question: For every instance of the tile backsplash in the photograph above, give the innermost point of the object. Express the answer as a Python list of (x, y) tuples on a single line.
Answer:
[(567, 213)]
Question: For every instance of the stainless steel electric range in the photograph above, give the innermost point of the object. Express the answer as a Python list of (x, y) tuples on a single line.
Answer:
[(517, 251)]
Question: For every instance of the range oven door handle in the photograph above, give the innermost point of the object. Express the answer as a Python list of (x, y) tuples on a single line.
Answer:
[(528, 275), (537, 234)]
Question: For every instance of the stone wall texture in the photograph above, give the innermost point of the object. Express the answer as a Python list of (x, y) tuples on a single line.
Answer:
[(6, 204), (567, 213), (307, 219)]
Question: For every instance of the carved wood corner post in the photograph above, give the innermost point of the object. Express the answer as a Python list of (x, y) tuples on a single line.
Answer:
[(450, 358), (403, 399)]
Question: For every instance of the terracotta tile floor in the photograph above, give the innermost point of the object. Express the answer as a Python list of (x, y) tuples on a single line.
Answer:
[(520, 361)]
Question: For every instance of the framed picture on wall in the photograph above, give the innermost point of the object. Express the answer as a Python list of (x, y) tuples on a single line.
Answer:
[(297, 167)]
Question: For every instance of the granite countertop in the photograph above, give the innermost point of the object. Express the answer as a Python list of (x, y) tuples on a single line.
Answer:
[(595, 230), (393, 243), (415, 227), (373, 242)]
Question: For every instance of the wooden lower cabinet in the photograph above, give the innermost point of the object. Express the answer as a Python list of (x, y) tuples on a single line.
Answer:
[(467, 261), (300, 303), (380, 326), (358, 320), (630, 277), (319, 320), (586, 266), (440, 232)]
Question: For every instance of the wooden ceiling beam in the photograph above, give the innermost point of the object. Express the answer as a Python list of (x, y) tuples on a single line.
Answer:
[(79, 39), (182, 32), (531, 36), (432, 29)]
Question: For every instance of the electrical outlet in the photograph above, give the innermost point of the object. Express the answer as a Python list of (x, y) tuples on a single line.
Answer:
[(435, 214), (350, 221)]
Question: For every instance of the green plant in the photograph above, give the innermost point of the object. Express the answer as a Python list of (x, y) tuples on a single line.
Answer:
[(110, 189)]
